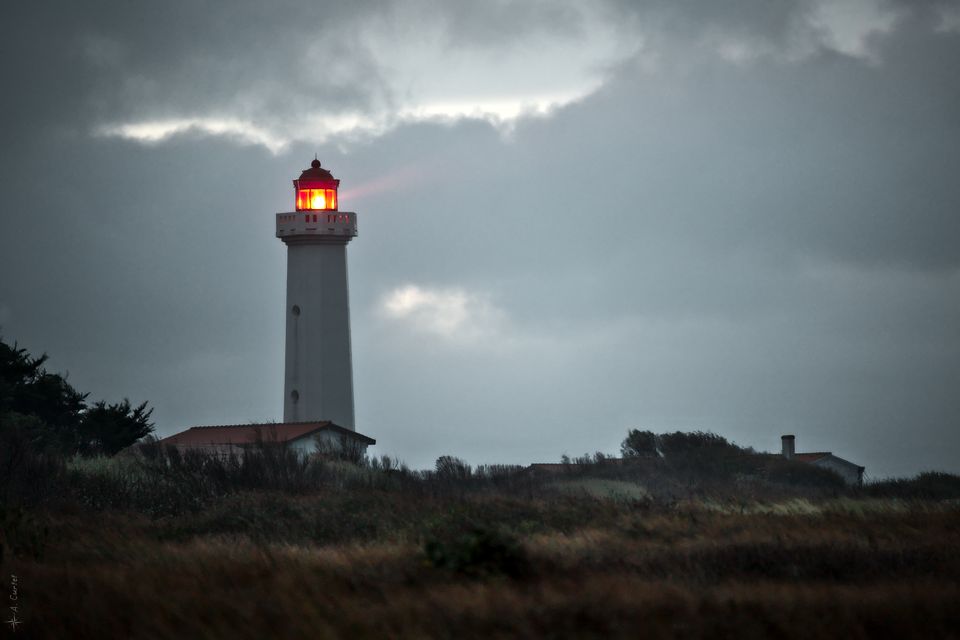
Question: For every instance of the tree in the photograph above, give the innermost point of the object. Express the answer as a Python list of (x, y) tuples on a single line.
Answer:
[(27, 389), (451, 468), (695, 443), (54, 417), (109, 428), (639, 444)]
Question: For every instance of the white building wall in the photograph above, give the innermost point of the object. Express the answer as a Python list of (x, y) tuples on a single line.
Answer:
[(304, 446), (847, 470), (325, 441), (318, 369), (322, 441)]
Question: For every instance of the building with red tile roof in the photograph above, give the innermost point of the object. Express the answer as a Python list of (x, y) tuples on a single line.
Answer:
[(851, 473), (306, 437)]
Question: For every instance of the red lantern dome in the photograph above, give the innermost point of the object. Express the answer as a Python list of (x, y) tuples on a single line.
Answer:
[(316, 189)]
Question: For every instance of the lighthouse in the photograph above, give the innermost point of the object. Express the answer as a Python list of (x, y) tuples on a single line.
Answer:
[(318, 372), (318, 377)]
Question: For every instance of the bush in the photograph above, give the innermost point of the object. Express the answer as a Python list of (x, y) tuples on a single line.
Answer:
[(21, 534), (931, 485), (28, 475), (639, 444), (452, 469), (262, 517), (801, 474), (695, 442), (478, 552)]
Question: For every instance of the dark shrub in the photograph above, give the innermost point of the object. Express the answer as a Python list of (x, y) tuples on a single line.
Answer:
[(29, 474), (801, 474), (452, 469), (933, 485), (21, 533), (263, 517), (108, 428), (639, 444), (695, 442), (478, 552)]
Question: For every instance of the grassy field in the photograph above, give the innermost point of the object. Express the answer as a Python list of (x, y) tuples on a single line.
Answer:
[(201, 549)]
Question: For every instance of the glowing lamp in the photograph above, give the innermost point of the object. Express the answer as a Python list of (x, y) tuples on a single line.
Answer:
[(316, 189)]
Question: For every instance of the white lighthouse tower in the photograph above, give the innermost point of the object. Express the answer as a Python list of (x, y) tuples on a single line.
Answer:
[(318, 382)]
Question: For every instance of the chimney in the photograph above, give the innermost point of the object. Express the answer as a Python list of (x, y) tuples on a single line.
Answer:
[(787, 442)]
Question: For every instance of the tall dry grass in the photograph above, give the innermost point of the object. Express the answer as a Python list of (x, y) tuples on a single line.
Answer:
[(278, 546), (655, 574)]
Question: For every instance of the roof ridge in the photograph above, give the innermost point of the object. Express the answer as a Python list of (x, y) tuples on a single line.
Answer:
[(259, 424), (284, 431)]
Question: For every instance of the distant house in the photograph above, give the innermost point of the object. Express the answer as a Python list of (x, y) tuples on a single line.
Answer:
[(851, 473), (306, 437)]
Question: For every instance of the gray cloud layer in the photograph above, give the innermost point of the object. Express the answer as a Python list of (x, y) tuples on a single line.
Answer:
[(751, 246)]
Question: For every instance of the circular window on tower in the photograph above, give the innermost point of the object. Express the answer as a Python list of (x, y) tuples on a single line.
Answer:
[(294, 395), (295, 310)]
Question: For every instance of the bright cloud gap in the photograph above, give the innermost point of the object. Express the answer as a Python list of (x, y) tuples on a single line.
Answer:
[(502, 114), (156, 131), (454, 314)]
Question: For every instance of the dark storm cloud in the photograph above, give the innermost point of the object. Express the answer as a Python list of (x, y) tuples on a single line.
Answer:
[(102, 62), (98, 61), (749, 246)]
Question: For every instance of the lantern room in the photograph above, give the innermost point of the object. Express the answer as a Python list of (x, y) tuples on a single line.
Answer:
[(316, 189)]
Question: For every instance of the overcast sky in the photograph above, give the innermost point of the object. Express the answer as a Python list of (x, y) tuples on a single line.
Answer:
[(576, 218)]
